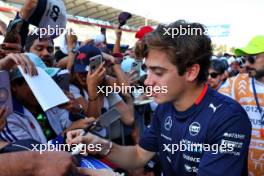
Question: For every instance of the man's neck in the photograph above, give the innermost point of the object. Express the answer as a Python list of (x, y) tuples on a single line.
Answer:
[(188, 98), (219, 85), (33, 109)]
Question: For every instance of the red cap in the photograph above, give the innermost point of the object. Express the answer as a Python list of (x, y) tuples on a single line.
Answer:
[(119, 55), (143, 31)]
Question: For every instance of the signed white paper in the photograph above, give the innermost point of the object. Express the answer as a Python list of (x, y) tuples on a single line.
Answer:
[(45, 89)]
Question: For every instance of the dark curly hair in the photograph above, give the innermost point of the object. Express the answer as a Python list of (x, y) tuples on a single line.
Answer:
[(185, 50)]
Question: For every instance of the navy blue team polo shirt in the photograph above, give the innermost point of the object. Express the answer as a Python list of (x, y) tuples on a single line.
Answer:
[(214, 121)]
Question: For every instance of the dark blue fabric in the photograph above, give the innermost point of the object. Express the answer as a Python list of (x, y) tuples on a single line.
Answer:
[(217, 119), (24, 30), (21, 145), (17, 107), (35, 18), (82, 59)]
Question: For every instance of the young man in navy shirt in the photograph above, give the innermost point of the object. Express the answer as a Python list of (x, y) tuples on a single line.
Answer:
[(194, 130)]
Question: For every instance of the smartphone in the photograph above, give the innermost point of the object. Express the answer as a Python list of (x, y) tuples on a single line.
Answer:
[(137, 67), (98, 126), (5, 93), (63, 80), (106, 121), (95, 62)]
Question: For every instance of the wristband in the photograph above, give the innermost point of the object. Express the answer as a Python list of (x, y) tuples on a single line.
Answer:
[(107, 152), (93, 98)]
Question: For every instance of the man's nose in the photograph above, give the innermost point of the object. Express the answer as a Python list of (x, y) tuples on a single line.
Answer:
[(149, 80)]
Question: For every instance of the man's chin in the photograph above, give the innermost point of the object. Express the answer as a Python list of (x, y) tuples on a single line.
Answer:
[(251, 73), (160, 100)]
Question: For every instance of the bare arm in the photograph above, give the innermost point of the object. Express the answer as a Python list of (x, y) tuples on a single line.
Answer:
[(127, 112), (135, 156), (126, 157), (36, 164), (126, 108), (93, 80), (12, 164), (12, 60), (116, 48)]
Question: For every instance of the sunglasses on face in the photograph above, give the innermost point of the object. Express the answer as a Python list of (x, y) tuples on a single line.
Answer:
[(251, 59), (213, 74)]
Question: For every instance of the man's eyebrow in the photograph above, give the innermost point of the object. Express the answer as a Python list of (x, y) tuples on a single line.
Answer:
[(157, 68)]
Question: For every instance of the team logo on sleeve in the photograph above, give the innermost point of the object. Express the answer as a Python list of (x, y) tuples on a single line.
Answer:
[(168, 123), (214, 108), (194, 128)]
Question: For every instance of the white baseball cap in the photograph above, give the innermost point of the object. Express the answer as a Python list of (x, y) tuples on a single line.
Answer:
[(49, 15)]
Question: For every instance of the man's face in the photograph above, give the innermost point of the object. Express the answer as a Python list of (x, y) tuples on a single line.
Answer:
[(161, 72), (24, 94), (44, 49), (214, 78), (81, 78), (234, 65), (255, 65)]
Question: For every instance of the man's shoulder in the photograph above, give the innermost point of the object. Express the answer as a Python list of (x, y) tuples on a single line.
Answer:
[(227, 107), (237, 87), (237, 79)]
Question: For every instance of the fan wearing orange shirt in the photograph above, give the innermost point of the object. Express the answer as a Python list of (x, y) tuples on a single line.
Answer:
[(248, 90)]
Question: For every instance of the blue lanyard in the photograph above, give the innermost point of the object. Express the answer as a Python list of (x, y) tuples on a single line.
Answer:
[(257, 101)]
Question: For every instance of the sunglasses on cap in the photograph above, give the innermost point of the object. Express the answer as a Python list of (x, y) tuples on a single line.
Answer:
[(214, 74), (250, 59)]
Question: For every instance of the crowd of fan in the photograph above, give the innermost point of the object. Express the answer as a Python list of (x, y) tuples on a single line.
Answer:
[(30, 124)]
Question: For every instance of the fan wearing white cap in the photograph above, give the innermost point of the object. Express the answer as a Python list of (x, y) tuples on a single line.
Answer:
[(45, 14)]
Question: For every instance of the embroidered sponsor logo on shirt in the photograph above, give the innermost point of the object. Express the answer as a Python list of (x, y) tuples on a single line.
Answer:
[(214, 107), (234, 135), (189, 168), (168, 123), (194, 128), (191, 158)]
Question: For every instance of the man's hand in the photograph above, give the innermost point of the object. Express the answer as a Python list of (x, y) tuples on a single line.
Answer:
[(7, 48), (76, 137), (72, 106), (81, 124), (95, 78), (133, 77), (108, 59), (13, 60), (54, 163), (27, 8), (71, 40), (3, 114), (3, 27)]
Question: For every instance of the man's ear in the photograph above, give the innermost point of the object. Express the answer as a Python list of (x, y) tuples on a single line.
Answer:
[(192, 73)]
